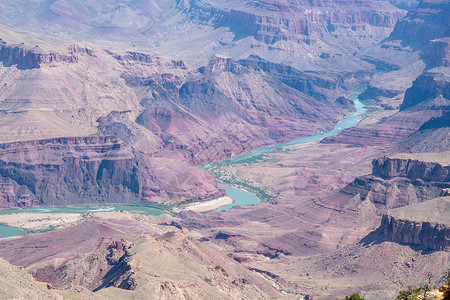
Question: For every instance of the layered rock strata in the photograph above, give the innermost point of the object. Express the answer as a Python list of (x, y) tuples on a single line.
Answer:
[(295, 21), (69, 170), (396, 182)]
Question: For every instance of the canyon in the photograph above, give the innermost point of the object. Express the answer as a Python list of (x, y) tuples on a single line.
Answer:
[(151, 104)]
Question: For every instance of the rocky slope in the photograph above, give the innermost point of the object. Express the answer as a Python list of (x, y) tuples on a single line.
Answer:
[(428, 21), (18, 284), (374, 268), (160, 262)]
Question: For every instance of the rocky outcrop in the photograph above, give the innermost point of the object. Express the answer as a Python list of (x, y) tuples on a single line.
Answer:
[(426, 224), (86, 270), (222, 64), (345, 102), (147, 58), (389, 168), (428, 21), (397, 182), (373, 92), (428, 87), (437, 53), (437, 122), (26, 57)]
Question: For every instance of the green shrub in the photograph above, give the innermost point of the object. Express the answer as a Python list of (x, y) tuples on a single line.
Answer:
[(354, 297), (411, 293)]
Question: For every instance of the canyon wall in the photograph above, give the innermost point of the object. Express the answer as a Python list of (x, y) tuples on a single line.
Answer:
[(294, 21), (428, 87), (94, 169), (69, 170), (428, 21)]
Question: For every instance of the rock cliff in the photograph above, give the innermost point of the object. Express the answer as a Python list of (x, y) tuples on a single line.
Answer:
[(402, 180), (70, 170), (389, 168), (428, 21), (65, 171), (426, 224), (27, 57), (437, 53), (426, 88)]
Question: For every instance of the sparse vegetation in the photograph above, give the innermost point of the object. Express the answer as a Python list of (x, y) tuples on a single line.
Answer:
[(411, 293), (427, 291), (223, 174)]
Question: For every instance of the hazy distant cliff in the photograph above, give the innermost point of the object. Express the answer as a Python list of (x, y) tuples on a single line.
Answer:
[(295, 21)]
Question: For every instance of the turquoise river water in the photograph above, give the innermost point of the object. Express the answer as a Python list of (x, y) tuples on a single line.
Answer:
[(243, 197)]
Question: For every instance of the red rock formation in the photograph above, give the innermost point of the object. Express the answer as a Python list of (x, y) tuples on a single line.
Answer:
[(64, 171), (70, 170), (397, 182)]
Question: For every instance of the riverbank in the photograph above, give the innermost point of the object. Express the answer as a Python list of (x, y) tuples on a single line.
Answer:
[(38, 222), (207, 205)]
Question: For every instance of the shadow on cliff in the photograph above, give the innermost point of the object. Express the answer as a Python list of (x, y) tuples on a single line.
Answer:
[(377, 237), (19, 66)]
